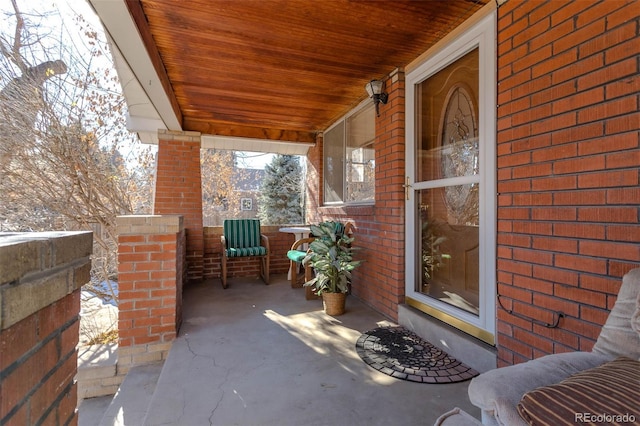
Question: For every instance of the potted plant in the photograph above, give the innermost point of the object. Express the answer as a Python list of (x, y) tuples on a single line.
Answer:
[(330, 255), (432, 256)]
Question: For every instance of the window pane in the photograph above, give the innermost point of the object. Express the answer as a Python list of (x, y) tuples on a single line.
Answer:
[(449, 246), (448, 121), (333, 164), (361, 167)]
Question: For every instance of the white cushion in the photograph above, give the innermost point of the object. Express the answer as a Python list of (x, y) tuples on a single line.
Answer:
[(456, 417), (618, 337)]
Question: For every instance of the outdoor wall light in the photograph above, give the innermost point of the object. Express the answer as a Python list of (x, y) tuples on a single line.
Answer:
[(375, 89)]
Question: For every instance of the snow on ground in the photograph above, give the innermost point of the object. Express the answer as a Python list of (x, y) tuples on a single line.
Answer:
[(98, 313)]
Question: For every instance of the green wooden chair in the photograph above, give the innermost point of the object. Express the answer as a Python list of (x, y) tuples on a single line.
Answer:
[(242, 238), (298, 252)]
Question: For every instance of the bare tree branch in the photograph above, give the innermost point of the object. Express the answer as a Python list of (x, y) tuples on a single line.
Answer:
[(61, 130), (17, 39)]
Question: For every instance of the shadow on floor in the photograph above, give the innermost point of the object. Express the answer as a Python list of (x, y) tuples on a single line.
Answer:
[(263, 355)]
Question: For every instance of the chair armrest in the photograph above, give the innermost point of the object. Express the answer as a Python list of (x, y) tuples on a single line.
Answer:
[(349, 229), (265, 242), (301, 241), (499, 391)]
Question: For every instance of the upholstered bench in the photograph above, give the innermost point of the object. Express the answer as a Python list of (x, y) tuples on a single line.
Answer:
[(556, 388), (606, 394), (457, 417)]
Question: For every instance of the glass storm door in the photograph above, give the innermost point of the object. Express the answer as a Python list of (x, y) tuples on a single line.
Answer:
[(451, 172)]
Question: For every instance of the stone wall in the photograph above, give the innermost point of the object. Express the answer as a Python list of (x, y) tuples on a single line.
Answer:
[(40, 279)]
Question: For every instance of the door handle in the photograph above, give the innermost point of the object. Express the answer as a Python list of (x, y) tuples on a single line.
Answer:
[(406, 187)]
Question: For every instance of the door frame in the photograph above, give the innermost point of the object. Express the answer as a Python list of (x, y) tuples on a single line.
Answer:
[(482, 35)]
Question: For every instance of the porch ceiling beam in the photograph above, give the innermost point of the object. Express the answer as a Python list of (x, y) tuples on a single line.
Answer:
[(256, 145), (145, 94), (137, 14), (236, 130)]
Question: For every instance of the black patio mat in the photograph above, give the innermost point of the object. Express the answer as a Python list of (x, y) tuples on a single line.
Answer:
[(402, 354)]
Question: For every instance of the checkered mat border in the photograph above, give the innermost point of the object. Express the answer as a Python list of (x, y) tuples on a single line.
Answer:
[(400, 353)]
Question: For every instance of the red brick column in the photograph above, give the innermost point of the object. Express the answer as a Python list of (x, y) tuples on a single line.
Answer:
[(568, 154), (40, 279), (179, 190), (313, 182), (150, 278)]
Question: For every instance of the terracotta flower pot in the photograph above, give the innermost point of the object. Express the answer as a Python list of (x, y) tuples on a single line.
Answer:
[(334, 303)]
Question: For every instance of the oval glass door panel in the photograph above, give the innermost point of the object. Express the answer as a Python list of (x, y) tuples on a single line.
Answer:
[(448, 122), (448, 163)]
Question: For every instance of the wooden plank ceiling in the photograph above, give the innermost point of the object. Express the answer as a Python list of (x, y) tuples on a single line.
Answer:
[(283, 69)]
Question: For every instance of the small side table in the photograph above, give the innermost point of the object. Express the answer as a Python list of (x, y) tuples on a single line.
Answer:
[(298, 232)]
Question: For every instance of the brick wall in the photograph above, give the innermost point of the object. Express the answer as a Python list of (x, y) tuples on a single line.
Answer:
[(40, 280), (379, 236), (150, 277), (279, 244), (568, 157), (313, 182), (178, 190), (381, 281)]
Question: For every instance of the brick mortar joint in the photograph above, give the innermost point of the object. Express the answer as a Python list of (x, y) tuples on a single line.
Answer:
[(179, 135), (144, 230), (150, 220), (57, 333), (140, 350)]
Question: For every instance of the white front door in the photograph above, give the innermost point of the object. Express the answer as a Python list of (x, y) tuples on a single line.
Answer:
[(451, 201)]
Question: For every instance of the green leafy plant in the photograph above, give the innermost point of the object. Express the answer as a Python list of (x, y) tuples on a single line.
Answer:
[(331, 256), (432, 257)]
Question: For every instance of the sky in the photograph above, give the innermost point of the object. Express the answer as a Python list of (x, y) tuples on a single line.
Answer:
[(254, 160)]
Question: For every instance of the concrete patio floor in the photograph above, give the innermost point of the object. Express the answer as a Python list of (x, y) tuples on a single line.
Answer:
[(263, 355)]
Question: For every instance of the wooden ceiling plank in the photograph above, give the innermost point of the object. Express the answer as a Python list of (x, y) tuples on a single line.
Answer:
[(289, 64)]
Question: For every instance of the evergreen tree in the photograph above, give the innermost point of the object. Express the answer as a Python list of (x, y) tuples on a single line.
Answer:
[(280, 200)]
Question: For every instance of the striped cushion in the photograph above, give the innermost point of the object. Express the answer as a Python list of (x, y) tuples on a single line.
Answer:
[(246, 251), (612, 389), (242, 233)]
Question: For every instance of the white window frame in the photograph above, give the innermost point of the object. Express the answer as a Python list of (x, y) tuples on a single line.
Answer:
[(344, 120), (481, 35)]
